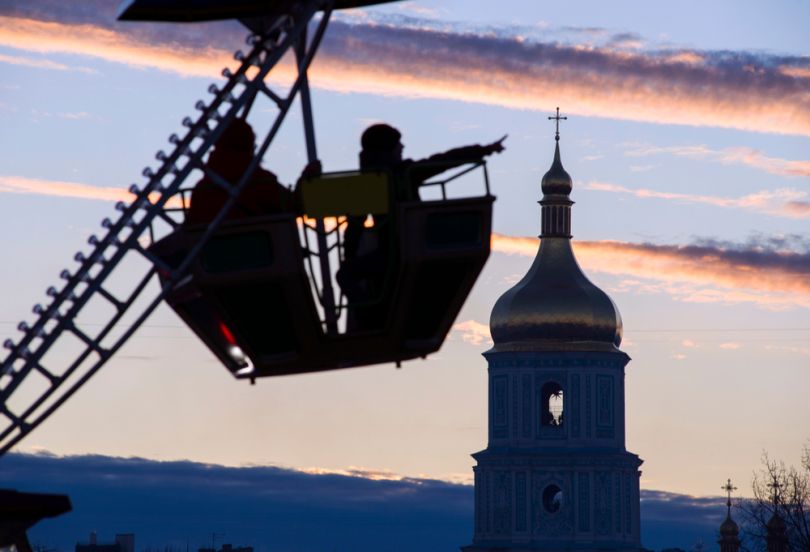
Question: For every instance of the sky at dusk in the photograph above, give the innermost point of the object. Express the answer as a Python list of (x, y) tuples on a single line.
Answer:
[(688, 141)]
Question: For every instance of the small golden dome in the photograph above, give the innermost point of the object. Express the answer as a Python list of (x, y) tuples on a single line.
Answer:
[(556, 181)]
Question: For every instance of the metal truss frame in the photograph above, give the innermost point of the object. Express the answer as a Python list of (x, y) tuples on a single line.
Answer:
[(132, 231)]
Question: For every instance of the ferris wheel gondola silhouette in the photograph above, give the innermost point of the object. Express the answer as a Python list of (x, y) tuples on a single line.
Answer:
[(260, 292)]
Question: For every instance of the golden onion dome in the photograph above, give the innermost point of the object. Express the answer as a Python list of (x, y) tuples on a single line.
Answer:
[(555, 307)]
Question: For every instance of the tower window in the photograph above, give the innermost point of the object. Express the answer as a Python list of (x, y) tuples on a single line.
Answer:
[(551, 404), (552, 499)]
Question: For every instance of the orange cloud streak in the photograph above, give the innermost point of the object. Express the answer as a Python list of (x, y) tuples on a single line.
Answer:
[(472, 332), (775, 284), (91, 40), (58, 188), (41, 64), (785, 202), (425, 63), (799, 72), (740, 155)]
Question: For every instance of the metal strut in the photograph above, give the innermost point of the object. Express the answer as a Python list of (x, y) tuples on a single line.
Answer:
[(327, 295), (22, 406)]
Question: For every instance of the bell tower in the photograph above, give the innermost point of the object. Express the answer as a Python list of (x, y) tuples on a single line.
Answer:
[(555, 474)]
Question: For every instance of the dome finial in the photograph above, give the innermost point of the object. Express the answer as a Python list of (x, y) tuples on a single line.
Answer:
[(729, 488), (775, 485), (557, 119), (556, 181)]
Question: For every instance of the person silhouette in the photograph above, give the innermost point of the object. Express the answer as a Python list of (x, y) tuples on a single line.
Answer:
[(382, 149), (368, 252), (230, 158)]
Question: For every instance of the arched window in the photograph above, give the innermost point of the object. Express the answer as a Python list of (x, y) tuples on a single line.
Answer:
[(552, 499), (551, 404)]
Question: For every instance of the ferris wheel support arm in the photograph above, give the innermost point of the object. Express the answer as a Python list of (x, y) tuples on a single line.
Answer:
[(24, 361)]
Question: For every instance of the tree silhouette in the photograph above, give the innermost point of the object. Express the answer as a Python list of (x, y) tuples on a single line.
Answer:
[(782, 489)]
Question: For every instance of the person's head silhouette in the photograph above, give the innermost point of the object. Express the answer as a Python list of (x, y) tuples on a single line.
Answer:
[(381, 146), (238, 136)]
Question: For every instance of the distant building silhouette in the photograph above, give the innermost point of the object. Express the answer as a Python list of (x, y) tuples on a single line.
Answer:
[(729, 531), (776, 536), (729, 536), (228, 548), (124, 542), (555, 474)]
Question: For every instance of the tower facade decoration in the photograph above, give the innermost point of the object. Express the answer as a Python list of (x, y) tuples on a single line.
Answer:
[(555, 474)]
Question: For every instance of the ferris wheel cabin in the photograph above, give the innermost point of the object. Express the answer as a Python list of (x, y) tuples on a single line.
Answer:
[(252, 295), (260, 293)]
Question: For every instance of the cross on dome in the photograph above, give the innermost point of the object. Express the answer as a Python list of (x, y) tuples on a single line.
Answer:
[(557, 120), (728, 487), (775, 486)]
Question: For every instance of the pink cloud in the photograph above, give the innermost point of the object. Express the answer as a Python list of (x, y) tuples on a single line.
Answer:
[(693, 273), (783, 202), (41, 64), (704, 274), (695, 88), (730, 346), (789, 349), (97, 42), (738, 155), (58, 188), (472, 332)]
